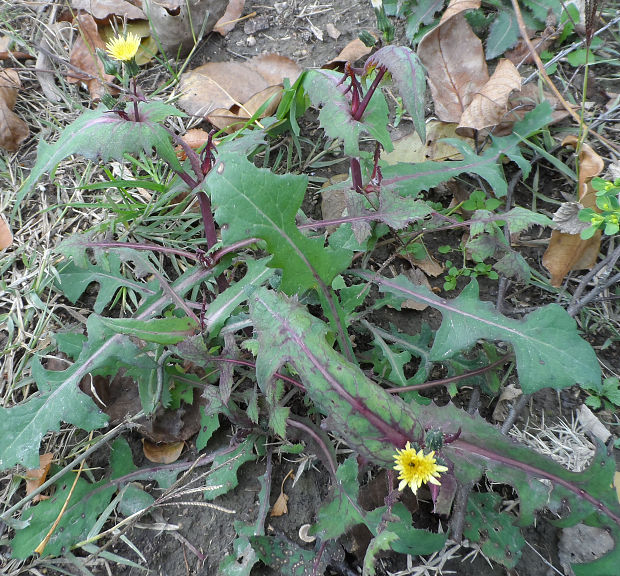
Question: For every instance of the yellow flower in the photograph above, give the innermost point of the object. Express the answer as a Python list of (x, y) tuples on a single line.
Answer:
[(123, 48), (416, 468)]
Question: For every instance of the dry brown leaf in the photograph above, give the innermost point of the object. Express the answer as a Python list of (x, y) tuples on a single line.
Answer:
[(102, 9), (6, 236), (195, 138), (457, 6), (229, 93), (162, 453), (351, 53), (36, 476), (568, 252), (84, 57), (488, 106), (410, 148), (228, 21), (454, 60), (13, 130), (280, 507)]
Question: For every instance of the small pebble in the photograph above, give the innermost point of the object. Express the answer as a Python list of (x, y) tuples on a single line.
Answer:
[(332, 31), (250, 41)]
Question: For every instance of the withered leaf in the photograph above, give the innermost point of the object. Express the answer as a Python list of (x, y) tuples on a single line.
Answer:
[(13, 130), (102, 9), (488, 106), (280, 507), (568, 252), (229, 19), (84, 58), (36, 476), (454, 59)]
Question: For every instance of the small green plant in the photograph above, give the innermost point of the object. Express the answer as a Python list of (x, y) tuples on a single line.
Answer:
[(608, 397), (607, 218), (453, 273)]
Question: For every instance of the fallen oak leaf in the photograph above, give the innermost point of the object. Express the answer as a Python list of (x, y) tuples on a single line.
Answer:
[(103, 9), (6, 236), (230, 18), (488, 106), (13, 130), (454, 60)]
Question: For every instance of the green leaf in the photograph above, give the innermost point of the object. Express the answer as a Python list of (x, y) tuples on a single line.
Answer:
[(327, 92), (223, 477), (168, 330), (397, 211), (225, 303), (371, 420), (286, 557), (87, 502), (493, 529), (503, 34), (208, 425), (383, 541), (103, 134), (548, 349), (337, 516), (407, 73), (423, 13), (134, 498), (410, 179), (521, 219), (513, 265), (59, 397), (252, 202), (73, 280)]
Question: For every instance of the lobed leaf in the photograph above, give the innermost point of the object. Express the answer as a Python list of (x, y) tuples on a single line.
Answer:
[(549, 351), (104, 134), (407, 73), (252, 202), (327, 92)]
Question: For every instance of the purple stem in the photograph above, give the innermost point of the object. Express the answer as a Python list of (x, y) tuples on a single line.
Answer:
[(364, 103), (356, 175), (445, 381)]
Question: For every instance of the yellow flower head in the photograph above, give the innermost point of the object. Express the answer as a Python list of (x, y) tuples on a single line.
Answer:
[(123, 48), (416, 468)]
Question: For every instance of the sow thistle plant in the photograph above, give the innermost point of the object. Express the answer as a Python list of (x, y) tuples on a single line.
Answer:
[(257, 272), (607, 219)]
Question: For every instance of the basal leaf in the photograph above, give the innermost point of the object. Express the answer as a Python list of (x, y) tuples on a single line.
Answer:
[(493, 529), (85, 505), (74, 280), (252, 202), (103, 134), (503, 34), (408, 74), (411, 179), (286, 557), (327, 92), (371, 420), (225, 469), (209, 423), (549, 351), (59, 397), (423, 13), (168, 330), (342, 512), (383, 541)]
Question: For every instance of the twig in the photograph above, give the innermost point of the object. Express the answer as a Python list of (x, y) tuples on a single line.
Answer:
[(548, 81), (459, 509), (577, 303)]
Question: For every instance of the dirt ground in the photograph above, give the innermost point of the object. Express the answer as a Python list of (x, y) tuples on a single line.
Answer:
[(290, 28)]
